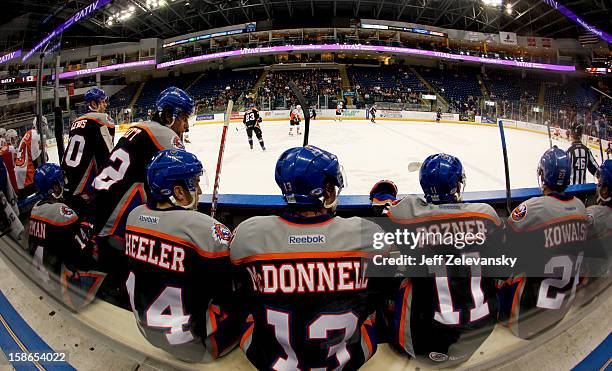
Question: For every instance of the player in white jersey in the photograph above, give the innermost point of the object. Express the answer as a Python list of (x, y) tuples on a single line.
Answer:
[(28, 159), (302, 274), (295, 119), (339, 110), (548, 234)]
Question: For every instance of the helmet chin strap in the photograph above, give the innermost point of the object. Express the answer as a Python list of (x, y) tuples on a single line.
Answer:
[(192, 205), (57, 197), (601, 199), (332, 206)]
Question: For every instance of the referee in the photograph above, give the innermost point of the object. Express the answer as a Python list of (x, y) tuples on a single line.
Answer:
[(580, 156)]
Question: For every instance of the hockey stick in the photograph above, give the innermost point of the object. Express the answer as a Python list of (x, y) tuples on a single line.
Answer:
[(215, 195), (549, 136), (506, 169), (305, 109)]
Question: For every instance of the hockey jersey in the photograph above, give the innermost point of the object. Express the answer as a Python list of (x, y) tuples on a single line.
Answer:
[(549, 233), (251, 118), (303, 280), (180, 284), (91, 138), (119, 187), (442, 313), (28, 151), (59, 244), (582, 160), (295, 115), (7, 157)]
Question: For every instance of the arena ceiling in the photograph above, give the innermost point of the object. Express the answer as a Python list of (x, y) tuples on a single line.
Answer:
[(24, 22)]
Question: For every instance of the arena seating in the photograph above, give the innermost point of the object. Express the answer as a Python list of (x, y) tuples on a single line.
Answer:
[(385, 84), (573, 93), (122, 98), (453, 86), (211, 89), (512, 86), (314, 83)]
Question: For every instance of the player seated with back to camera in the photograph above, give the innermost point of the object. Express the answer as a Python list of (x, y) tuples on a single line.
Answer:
[(598, 256), (302, 275), (173, 251), (252, 120), (580, 156), (440, 313), (60, 242), (548, 234), (120, 186)]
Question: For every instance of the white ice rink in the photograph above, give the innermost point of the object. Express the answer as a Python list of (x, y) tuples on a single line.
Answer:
[(370, 152)]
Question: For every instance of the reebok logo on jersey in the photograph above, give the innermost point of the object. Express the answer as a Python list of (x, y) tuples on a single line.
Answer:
[(148, 219), (307, 239)]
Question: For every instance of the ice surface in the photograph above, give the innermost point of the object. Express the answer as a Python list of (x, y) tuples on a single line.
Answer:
[(371, 152)]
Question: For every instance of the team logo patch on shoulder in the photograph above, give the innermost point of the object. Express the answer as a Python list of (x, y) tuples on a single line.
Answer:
[(438, 357), (178, 143), (148, 219), (221, 233), (519, 213), (66, 211)]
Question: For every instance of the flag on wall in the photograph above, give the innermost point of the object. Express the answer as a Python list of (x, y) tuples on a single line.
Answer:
[(508, 38)]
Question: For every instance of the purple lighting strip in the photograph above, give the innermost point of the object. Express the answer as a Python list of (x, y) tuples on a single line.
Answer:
[(569, 14), (12, 55), (367, 48), (89, 71), (69, 22)]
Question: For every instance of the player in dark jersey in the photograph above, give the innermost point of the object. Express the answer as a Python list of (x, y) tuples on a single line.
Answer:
[(91, 139), (580, 156), (60, 243), (549, 233), (173, 251), (119, 187), (252, 120), (441, 314), (301, 274), (372, 112)]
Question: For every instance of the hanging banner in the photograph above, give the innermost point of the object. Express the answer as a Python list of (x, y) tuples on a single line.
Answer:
[(508, 38)]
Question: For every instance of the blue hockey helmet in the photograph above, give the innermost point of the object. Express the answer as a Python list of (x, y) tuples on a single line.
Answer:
[(605, 173), (302, 172), (440, 176), (175, 99), (554, 169), (95, 95), (46, 176), (169, 167), (604, 177)]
